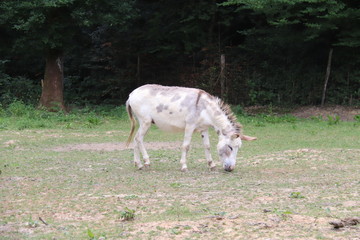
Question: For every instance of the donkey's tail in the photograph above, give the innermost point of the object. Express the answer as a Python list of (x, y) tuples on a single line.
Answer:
[(133, 123)]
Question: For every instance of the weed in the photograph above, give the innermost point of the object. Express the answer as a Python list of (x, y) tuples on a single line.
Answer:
[(176, 185), (129, 197), (284, 214), (127, 214), (187, 227), (160, 228), (296, 195), (90, 234), (333, 120), (69, 126), (32, 223), (316, 118), (92, 121), (179, 210), (175, 231), (357, 118)]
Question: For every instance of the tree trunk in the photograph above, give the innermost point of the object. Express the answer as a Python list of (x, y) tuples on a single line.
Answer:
[(52, 97), (327, 76), (138, 69), (222, 76)]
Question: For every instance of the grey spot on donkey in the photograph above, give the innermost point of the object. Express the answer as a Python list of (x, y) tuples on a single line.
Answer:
[(161, 107)]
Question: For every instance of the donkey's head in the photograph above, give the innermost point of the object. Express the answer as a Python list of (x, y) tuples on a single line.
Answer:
[(227, 148)]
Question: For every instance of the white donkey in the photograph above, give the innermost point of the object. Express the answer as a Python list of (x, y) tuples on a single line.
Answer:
[(175, 109)]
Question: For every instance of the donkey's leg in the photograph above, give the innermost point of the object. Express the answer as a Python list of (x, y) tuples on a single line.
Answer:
[(185, 146), (206, 142), (139, 139), (137, 161)]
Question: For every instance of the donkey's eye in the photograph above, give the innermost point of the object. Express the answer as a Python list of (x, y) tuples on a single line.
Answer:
[(230, 147)]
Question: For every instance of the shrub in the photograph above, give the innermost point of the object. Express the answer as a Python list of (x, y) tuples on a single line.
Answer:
[(18, 88), (18, 109)]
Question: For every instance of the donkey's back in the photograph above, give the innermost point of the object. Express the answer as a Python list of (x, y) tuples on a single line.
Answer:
[(169, 108)]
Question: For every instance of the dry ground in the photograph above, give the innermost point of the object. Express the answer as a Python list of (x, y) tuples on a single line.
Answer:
[(76, 184), (190, 205)]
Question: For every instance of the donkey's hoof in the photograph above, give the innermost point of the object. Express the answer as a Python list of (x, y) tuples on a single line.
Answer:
[(141, 167), (147, 165), (213, 168), (184, 169)]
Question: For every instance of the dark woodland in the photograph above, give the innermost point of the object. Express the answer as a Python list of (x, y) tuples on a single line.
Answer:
[(58, 53)]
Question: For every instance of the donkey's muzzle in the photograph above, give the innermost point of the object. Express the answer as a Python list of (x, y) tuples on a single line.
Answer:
[(229, 168)]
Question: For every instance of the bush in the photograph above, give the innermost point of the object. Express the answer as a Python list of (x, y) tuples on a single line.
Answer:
[(18, 109), (18, 88)]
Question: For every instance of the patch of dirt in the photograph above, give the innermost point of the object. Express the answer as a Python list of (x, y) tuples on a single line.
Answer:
[(10, 143), (345, 113), (120, 146), (231, 227)]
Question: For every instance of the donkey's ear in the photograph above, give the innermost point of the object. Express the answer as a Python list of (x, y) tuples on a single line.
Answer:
[(248, 138), (234, 136)]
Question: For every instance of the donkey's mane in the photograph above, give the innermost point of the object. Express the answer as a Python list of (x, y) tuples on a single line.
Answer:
[(225, 108)]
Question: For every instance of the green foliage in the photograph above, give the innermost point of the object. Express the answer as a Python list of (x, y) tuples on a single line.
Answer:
[(18, 109), (31, 27), (90, 234), (273, 119), (237, 109), (303, 30), (16, 88), (55, 23), (92, 121), (18, 115), (318, 17), (127, 214), (276, 50), (175, 231), (333, 120)]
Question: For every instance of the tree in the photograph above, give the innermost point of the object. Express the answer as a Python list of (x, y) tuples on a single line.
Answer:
[(331, 25), (52, 28)]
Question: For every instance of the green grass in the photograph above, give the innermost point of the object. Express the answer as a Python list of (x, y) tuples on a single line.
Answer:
[(296, 177)]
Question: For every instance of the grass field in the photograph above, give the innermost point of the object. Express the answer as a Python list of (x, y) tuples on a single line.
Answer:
[(70, 177)]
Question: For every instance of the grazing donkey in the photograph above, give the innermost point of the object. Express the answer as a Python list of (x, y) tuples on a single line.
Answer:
[(175, 109)]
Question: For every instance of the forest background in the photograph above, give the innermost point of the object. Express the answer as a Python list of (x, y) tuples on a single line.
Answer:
[(58, 53)]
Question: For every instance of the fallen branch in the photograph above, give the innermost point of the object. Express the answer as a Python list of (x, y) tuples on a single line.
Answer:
[(345, 222), (42, 220)]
